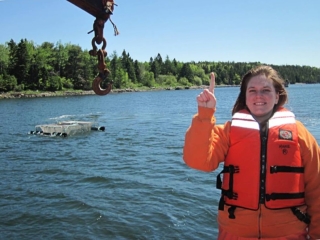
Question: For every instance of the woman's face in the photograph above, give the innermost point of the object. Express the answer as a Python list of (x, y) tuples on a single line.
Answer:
[(261, 97)]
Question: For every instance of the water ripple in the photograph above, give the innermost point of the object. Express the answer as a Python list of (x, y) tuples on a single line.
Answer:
[(128, 182)]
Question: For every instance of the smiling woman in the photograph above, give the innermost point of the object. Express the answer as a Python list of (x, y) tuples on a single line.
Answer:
[(271, 162), (261, 98), (261, 89)]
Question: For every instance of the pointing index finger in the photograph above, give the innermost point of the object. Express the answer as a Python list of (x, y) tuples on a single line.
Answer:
[(212, 82)]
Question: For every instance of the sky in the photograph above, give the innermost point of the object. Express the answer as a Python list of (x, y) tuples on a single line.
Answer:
[(279, 32)]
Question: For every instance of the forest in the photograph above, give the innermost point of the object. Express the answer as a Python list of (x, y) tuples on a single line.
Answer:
[(58, 67)]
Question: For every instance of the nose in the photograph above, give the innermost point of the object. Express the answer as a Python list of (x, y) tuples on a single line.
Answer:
[(259, 93)]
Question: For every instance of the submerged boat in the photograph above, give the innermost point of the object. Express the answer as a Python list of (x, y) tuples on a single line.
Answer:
[(66, 128)]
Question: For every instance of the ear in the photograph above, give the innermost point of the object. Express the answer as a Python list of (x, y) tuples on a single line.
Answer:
[(277, 98)]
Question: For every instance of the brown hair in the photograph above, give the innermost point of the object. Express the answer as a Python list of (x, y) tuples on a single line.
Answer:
[(270, 73)]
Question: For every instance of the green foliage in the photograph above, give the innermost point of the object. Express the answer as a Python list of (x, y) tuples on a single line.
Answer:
[(171, 81), (19, 88), (7, 83), (4, 58), (155, 68), (120, 78), (54, 83), (184, 81), (54, 67), (66, 83), (236, 79), (197, 81), (187, 72), (148, 79)]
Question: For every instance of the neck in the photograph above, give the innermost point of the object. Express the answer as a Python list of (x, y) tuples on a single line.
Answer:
[(264, 118)]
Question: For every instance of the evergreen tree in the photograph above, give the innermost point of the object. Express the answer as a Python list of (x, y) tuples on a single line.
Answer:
[(137, 70), (56, 66), (73, 65), (155, 68), (4, 59), (25, 51), (186, 72), (13, 48)]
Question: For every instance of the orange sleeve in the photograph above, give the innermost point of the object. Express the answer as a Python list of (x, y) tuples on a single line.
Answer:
[(310, 154), (206, 144)]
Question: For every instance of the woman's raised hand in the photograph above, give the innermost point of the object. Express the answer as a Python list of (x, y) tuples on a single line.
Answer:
[(207, 98)]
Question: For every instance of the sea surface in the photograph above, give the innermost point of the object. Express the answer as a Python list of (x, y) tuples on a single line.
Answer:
[(128, 182)]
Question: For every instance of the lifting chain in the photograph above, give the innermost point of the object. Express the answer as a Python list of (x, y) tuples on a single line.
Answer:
[(98, 38)]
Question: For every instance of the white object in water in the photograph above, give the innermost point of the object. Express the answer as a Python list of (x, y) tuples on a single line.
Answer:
[(66, 128)]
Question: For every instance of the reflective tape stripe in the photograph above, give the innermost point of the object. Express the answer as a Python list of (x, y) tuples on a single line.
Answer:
[(247, 121), (283, 114), (245, 124), (281, 121), (243, 116)]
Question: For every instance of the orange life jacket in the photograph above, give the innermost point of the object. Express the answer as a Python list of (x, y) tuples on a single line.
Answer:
[(284, 178)]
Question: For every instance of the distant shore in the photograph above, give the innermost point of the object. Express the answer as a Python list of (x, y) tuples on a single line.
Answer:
[(39, 94)]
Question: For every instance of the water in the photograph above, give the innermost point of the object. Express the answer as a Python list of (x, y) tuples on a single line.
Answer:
[(128, 182)]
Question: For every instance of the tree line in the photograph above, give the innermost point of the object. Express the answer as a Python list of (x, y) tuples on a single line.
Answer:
[(57, 67)]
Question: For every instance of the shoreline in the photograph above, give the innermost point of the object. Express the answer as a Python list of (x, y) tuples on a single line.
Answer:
[(13, 95)]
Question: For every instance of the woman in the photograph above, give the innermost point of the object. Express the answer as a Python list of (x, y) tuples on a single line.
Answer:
[(271, 162)]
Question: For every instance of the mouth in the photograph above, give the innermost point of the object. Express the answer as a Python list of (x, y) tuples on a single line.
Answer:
[(260, 103)]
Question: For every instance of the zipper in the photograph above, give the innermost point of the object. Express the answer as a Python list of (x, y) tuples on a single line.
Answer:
[(263, 164), (259, 236)]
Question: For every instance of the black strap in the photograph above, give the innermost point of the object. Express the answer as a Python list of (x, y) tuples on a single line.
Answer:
[(226, 169), (219, 181), (231, 169), (228, 193), (276, 169), (231, 212), (230, 209), (303, 217), (221, 203), (275, 196)]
